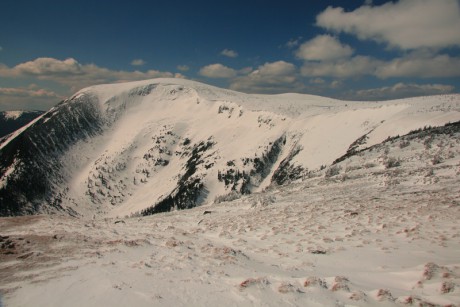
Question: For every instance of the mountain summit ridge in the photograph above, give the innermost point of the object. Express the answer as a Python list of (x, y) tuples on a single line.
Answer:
[(163, 144)]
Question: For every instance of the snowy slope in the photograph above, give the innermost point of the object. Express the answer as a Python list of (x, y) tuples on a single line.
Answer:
[(13, 120), (156, 145), (379, 228)]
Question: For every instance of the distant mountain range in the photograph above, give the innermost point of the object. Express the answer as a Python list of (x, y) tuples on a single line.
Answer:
[(152, 146), (11, 121)]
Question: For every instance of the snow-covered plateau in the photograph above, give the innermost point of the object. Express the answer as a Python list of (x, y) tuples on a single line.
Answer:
[(292, 200)]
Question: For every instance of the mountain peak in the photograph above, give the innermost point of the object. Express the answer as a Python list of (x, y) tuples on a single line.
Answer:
[(163, 144)]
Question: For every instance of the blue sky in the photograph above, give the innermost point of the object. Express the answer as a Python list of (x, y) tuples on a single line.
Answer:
[(360, 50)]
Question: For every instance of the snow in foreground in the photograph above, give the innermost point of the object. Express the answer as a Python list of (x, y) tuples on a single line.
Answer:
[(366, 232)]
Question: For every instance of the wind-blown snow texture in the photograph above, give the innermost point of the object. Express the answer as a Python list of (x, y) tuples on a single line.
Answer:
[(379, 228), (157, 145), (305, 201)]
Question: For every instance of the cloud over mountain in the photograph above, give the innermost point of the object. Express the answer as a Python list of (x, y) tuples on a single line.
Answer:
[(401, 90), (269, 78), (405, 24), (217, 71), (14, 98), (71, 72)]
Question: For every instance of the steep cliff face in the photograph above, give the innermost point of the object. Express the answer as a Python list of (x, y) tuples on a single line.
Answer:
[(30, 162), (165, 144)]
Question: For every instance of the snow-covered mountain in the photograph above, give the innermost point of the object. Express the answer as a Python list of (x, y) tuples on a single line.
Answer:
[(157, 145), (13, 120), (379, 228)]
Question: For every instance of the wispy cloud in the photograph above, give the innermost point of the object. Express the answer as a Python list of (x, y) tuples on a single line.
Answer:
[(27, 92), (74, 75), (27, 98), (183, 68), (317, 81), (229, 53), (138, 62), (400, 90), (293, 42)]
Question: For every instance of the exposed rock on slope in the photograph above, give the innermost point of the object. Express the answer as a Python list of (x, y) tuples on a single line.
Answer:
[(157, 145)]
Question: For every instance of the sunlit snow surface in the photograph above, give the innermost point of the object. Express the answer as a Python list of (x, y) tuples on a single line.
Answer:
[(12, 114), (141, 154), (377, 229)]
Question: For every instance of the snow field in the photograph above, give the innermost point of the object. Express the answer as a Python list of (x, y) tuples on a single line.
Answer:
[(353, 237)]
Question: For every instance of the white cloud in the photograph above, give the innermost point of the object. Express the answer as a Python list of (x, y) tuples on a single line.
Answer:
[(68, 75), (317, 81), (279, 68), (74, 75), (217, 71), (275, 77), (323, 48), (1, 48), (229, 53), (406, 24), (292, 43), (401, 90), (245, 70), (49, 66), (138, 62), (421, 65), (12, 91), (344, 68), (414, 65), (27, 98), (183, 67)]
